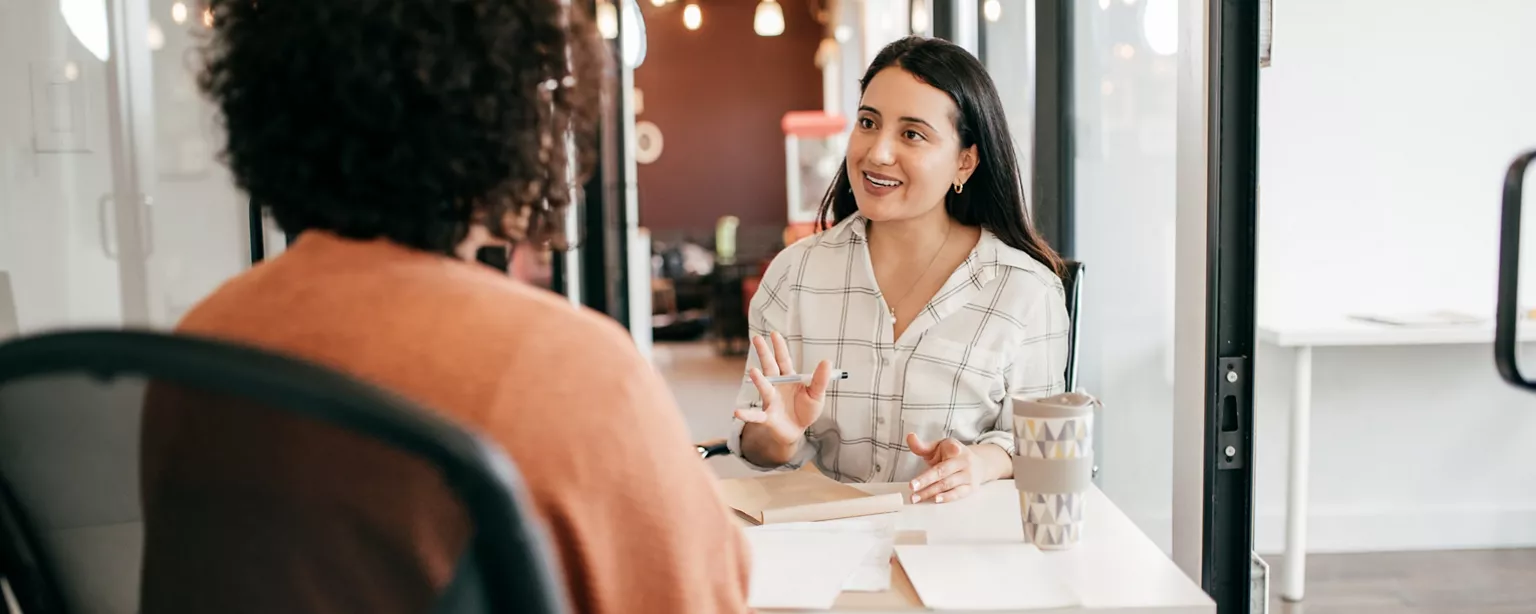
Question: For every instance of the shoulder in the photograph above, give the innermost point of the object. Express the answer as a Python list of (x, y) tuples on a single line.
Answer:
[(832, 243), (1026, 282)]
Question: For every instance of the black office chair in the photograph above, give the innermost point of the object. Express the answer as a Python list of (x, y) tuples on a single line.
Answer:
[(72, 530), (1071, 282)]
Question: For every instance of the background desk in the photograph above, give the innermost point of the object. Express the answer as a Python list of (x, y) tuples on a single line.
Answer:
[(1115, 570), (1302, 337)]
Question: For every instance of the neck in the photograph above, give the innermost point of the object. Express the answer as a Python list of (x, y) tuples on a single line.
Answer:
[(910, 239)]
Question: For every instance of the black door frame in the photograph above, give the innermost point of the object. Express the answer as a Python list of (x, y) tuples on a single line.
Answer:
[(602, 216), (1232, 69), (1053, 178)]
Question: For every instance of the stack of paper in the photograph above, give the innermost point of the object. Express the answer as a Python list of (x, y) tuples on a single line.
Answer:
[(804, 569), (974, 577), (873, 573)]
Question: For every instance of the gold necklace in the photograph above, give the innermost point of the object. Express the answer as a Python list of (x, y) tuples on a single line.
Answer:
[(891, 307)]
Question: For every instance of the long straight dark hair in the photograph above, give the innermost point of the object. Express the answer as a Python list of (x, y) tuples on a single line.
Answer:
[(994, 197)]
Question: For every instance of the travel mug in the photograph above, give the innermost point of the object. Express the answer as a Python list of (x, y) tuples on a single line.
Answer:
[(1053, 466)]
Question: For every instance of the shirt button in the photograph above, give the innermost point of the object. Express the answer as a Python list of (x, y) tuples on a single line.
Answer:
[(880, 421), (879, 468), (885, 360)]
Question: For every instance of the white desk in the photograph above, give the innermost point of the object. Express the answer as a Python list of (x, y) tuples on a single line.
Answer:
[(1341, 332), (1115, 570)]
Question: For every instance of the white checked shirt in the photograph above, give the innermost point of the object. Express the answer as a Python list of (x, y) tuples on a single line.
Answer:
[(998, 327)]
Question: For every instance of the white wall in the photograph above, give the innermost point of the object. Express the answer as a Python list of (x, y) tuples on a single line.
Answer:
[(1386, 126), (1373, 111)]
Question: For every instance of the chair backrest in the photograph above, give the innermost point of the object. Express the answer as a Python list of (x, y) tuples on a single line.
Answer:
[(1072, 282), (78, 409)]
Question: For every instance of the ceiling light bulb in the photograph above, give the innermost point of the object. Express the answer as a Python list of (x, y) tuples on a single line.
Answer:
[(692, 18), (769, 20), (992, 9)]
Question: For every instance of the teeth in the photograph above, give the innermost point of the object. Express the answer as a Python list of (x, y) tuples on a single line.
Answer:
[(882, 182)]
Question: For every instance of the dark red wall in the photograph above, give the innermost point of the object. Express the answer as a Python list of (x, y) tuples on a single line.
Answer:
[(717, 94)]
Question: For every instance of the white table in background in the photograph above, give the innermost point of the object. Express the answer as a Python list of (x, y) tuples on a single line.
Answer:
[(1340, 332), (1115, 570)]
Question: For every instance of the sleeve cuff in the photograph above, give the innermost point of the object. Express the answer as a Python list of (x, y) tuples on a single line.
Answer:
[(733, 443)]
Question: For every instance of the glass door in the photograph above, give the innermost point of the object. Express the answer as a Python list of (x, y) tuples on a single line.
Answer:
[(1142, 125), (200, 228), (114, 210), (72, 139)]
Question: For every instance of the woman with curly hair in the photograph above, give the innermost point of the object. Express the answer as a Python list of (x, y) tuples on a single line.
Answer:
[(380, 132)]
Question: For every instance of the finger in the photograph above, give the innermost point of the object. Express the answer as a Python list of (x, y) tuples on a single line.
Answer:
[(820, 380), (941, 478), (919, 447), (955, 494), (769, 394), (781, 354), (754, 416), (765, 356)]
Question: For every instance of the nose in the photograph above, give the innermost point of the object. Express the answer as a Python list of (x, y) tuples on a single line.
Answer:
[(881, 152)]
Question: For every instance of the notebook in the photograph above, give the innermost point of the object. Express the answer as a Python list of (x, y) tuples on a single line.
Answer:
[(802, 496)]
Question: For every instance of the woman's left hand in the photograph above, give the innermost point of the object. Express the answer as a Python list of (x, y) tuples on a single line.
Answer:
[(955, 470)]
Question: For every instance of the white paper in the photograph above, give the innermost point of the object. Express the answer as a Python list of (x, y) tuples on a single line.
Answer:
[(990, 577), (802, 569), (874, 573)]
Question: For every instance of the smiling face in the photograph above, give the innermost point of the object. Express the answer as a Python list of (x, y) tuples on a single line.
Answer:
[(904, 153)]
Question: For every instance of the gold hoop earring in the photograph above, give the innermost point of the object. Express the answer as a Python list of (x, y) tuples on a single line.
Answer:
[(959, 187)]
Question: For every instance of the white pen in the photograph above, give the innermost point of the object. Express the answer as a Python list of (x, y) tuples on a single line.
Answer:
[(803, 378)]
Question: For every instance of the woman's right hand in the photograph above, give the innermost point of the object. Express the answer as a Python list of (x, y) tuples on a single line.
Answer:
[(788, 409)]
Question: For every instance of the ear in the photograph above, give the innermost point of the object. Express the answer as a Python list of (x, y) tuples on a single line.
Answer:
[(968, 162)]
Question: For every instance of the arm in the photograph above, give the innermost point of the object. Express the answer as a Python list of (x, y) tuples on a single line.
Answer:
[(635, 514), (755, 443), (1038, 369)]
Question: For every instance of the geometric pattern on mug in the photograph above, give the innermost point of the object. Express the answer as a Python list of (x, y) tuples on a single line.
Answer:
[(1053, 519), (1054, 438)]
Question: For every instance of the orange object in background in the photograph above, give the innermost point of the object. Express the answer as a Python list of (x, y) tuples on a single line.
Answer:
[(812, 124)]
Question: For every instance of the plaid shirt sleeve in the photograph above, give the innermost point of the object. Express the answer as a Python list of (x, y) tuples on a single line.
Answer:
[(767, 313), (1038, 368)]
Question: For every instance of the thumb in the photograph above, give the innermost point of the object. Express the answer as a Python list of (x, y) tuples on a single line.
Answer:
[(820, 380), (919, 447)]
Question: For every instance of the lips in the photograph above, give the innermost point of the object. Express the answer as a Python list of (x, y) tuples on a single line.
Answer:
[(881, 181)]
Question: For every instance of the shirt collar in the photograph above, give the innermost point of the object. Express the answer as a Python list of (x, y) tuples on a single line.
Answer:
[(989, 254), (853, 225)]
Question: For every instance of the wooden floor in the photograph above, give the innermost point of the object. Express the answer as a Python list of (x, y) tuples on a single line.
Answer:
[(1441, 582), (1477, 582)]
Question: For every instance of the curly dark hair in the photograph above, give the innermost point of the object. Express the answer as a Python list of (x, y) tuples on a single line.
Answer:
[(407, 119)]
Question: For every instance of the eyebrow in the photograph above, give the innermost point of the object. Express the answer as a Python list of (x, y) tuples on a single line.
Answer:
[(908, 119)]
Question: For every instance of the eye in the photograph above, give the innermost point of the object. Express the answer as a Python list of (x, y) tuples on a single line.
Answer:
[(866, 123), (914, 135)]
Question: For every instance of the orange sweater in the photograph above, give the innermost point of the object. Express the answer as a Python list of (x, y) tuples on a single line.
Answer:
[(602, 448)]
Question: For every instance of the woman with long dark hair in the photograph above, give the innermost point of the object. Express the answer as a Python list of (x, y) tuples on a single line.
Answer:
[(927, 284)]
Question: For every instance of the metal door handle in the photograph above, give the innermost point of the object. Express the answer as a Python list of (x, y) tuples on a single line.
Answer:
[(108, 232), (1506, 332)]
